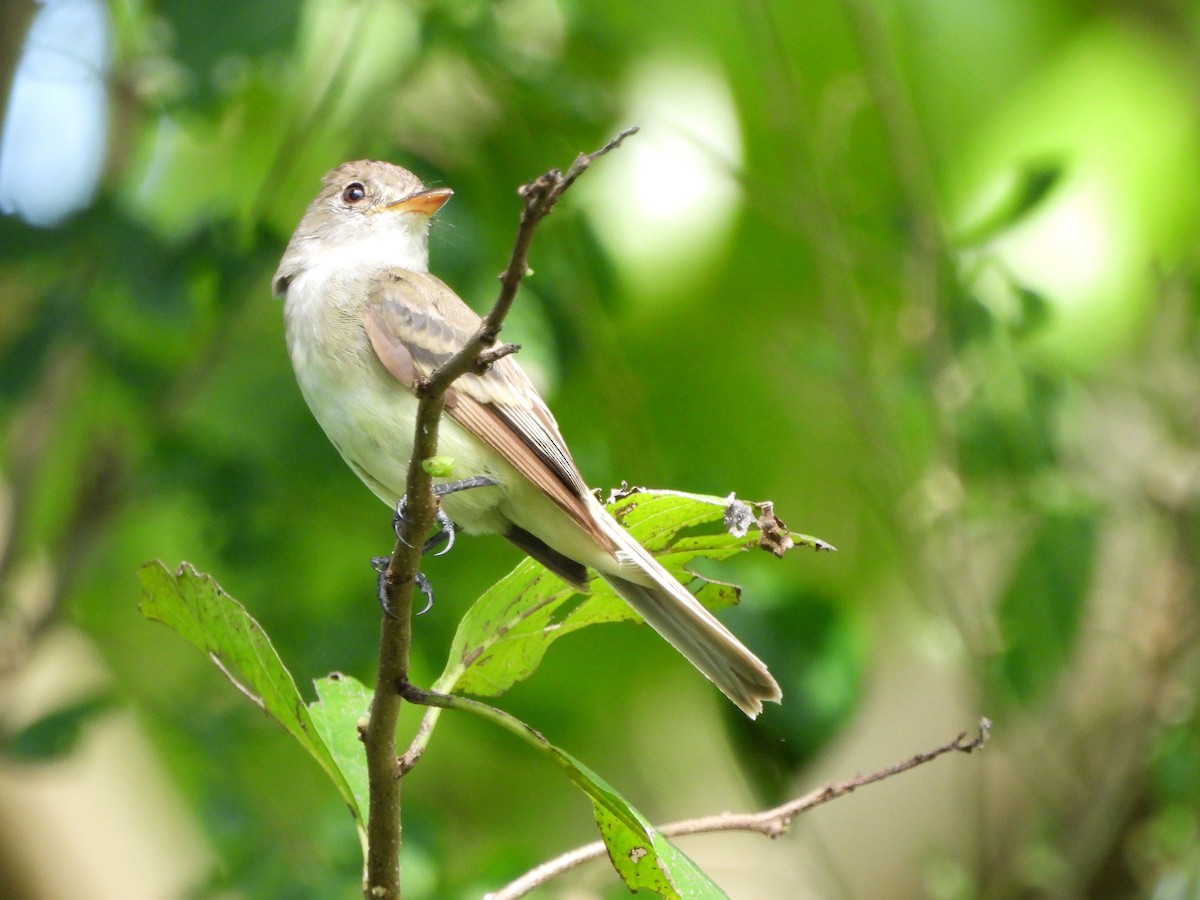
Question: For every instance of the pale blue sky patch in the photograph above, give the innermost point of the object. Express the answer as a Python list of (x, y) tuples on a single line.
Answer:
[(53, 144)]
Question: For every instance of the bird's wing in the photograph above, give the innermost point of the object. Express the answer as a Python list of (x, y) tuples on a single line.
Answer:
[(415, 323)]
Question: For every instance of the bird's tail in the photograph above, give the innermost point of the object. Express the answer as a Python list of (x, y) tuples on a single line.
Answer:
[(674, 613)]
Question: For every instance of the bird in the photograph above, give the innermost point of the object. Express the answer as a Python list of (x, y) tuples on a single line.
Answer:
[(365, 320)]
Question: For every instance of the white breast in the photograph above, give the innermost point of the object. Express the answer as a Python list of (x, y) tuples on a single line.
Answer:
[(369, 416)]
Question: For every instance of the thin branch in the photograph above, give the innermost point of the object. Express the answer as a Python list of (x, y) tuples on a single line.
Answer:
[(507, 721), (539, 195), (771, 822), (384, 767), (420, 740)]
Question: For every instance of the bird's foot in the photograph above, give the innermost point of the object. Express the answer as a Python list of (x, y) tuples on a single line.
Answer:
[(464, 484), (380, 565), (445, 527), (446, 530)]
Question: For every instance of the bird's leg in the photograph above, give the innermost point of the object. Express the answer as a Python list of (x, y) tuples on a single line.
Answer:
[(380, 565), (446, 528), (464, 484), (444, 534)]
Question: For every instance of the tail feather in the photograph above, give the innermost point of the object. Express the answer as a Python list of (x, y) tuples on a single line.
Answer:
[(674, 613)]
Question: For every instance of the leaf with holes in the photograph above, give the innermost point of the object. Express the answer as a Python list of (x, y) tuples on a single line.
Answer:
[(508, 630)]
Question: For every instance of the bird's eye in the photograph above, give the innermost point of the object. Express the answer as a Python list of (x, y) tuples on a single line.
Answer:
[(354, 192)]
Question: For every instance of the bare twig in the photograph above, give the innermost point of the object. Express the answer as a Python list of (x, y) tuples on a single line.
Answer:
[(539, 195), (384, 768), (771, 822), (420, 740)]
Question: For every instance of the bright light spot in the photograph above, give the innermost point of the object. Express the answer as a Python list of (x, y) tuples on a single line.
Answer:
[(1080, 253), (52, 150), (1067, 248), (664, 202), (1117, 114)]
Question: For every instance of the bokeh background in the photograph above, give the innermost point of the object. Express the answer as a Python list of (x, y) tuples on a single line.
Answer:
[(923, 272)]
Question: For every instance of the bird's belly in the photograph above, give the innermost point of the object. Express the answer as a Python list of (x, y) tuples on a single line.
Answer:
[(372, 426)]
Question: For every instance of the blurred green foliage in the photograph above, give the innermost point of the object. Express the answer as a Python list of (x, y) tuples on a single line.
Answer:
[(949, 322)]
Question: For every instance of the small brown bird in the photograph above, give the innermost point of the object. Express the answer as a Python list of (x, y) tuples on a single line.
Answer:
[(365, 319)]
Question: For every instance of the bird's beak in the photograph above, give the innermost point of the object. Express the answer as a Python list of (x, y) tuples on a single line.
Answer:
[(427, 202)]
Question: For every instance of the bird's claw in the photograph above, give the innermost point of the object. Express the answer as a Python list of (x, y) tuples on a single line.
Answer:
[(398, 519), (446, 527), (445, 532), (425, 588), (380, 565)]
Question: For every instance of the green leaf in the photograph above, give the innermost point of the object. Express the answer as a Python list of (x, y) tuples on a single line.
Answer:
[(1035, 311), (1040, 612), (508, 630), (198, 610), (55, 734), (643, 858), (344, 705), (1030, 186), (689, 879)]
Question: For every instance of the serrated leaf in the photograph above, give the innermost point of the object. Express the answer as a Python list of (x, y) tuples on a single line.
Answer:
[(196, 608), (506, 633)]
